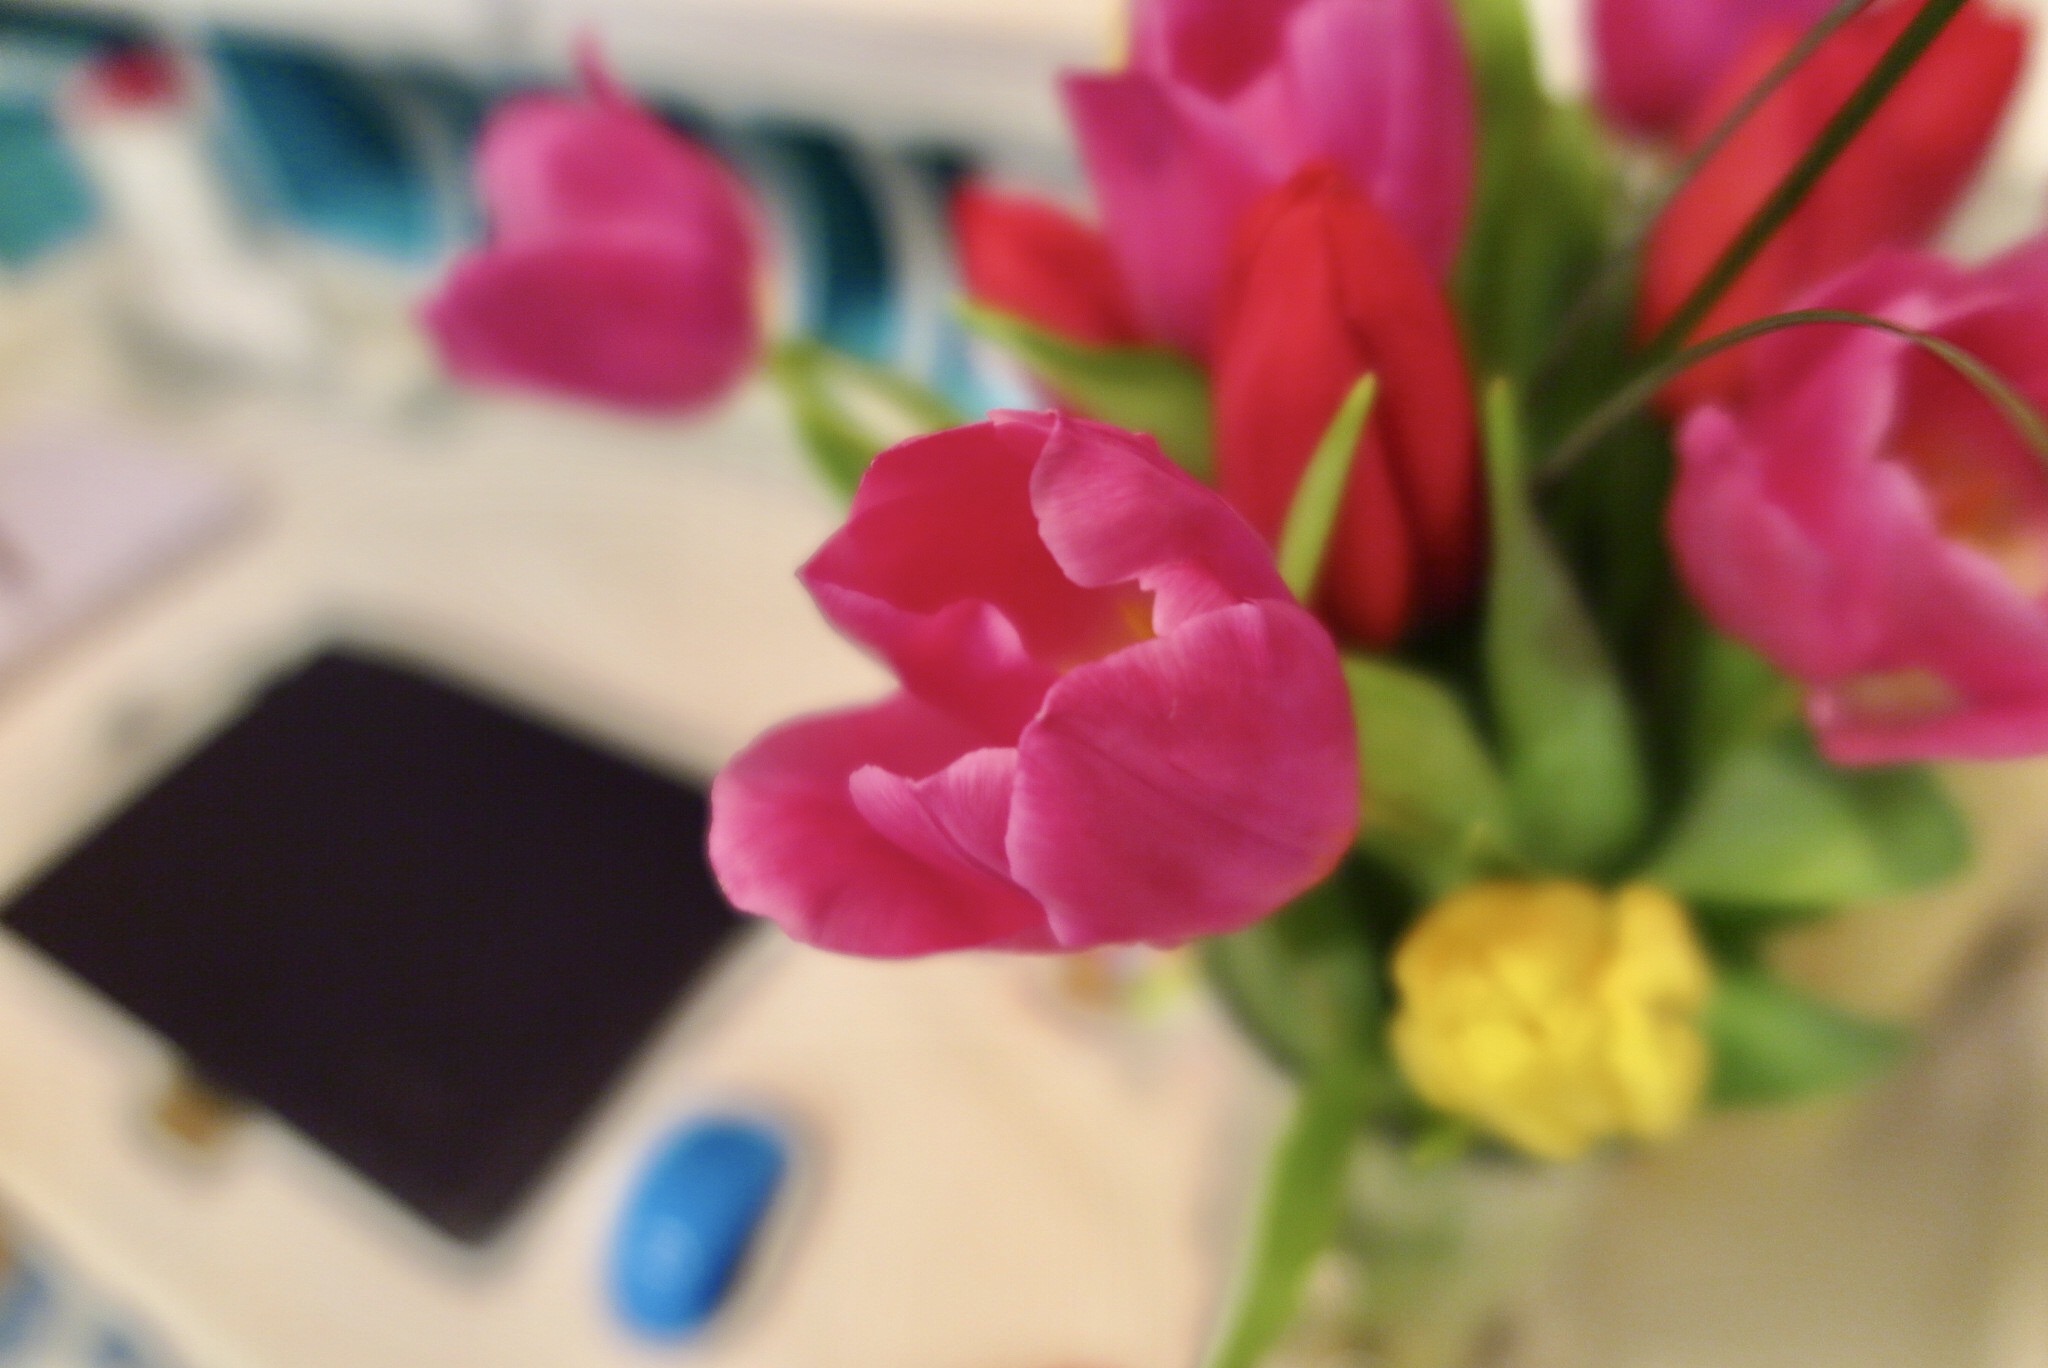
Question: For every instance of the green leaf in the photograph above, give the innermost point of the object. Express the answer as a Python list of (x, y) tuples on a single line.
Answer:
[(1145, 389), (1541, 209), (1305, 983), (1305, 537), (1738, 699), (1776, 832), (1436, 806), (1574, 771), (1772, 1043), (1300, 1205), (848, 411)]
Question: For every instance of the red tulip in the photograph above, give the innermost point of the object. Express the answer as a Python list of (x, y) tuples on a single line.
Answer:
[(1893, 186), (1324, 288), (1040, 263)]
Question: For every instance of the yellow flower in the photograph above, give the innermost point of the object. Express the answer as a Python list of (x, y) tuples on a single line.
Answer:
[(1553, 1014)]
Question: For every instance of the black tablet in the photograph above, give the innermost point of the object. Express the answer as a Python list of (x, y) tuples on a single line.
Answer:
[(426, 930)]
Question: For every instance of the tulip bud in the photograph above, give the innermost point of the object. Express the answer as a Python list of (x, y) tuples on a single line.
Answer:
[(1325, 289), (621, 262)]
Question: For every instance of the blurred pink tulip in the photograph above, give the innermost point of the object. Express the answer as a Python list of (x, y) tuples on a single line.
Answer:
[(1866, 519), (621, 263), (1115, 726), (1225, 99), (1657, 61)]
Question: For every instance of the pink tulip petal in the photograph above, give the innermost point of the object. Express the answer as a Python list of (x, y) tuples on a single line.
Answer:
[(1968, 655), (941, 570), (1760, 574), (1113, 510), (792, 837), (1217, 46), (641, 322), (1190, 785), (961, 815), (550, 167), (1381, 88), (1173, 178)]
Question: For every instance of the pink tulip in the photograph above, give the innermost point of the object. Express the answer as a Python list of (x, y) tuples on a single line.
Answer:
[(1115, 725), (1866, 519), (1225, 99), (1657, 61), (621, 262)]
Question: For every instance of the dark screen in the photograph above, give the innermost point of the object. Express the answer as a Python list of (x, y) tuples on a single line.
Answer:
[(425, 930)]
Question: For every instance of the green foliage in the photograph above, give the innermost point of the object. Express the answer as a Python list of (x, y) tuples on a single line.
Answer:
[(1574, 771), (1544, 199), (848, 411), (1312, 518), (1300, 1204), (1436, 808), (1738, 698), (1772, 1043), (1145, 389), (1775, 832), (1306, 982)]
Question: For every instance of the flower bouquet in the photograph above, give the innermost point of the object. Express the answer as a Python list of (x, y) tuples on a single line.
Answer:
[(1487, 565)]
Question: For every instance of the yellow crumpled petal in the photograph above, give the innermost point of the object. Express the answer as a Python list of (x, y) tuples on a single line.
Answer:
[(1553, 1014)]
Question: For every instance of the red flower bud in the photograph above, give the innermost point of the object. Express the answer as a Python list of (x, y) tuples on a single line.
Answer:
[(1893, 186), (1324, 288)]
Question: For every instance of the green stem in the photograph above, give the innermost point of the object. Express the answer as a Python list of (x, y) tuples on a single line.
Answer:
[(1798, 183), (1299, 1210), (919, 403), (1637, 394)]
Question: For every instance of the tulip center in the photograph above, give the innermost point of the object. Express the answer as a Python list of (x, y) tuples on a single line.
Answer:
[(1986, 491), (1121, 618), (1899, 696), (1137, 615)]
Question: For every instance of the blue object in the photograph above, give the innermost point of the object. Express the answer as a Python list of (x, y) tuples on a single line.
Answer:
[(27, 1306), (327, 147), (689, 1221), (846, 277)]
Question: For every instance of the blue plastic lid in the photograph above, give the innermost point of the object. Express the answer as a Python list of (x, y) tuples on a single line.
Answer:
[(689, 1220)]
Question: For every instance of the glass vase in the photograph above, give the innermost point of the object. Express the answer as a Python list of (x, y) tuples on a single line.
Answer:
[(1435, 1260)]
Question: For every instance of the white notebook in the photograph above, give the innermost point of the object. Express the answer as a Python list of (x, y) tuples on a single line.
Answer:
[(87, 519)]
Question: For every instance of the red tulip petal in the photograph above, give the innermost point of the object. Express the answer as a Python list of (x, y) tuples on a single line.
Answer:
[(1039, 263)]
